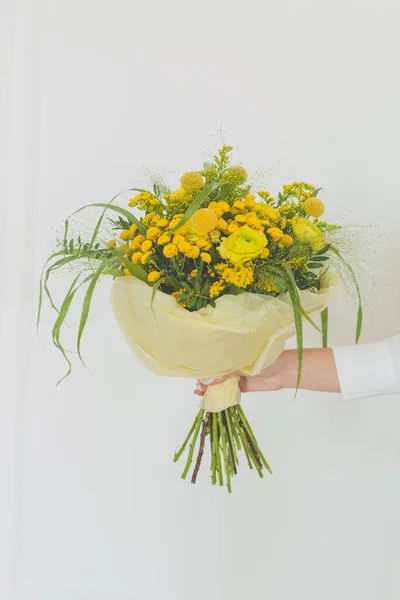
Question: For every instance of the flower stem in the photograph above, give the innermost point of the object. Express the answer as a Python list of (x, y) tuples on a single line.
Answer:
[(252, 437), (189, 435), (199, 419), (217, 450), (225, 451)]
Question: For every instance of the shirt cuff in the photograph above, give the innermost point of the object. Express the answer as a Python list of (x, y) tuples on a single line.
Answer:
[(365, 370)]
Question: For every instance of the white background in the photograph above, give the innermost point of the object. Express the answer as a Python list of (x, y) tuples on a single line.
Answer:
[(91, 505)]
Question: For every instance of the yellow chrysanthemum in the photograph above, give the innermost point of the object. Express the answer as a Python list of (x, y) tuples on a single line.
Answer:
[(235, 175), (123, 248), (287, 239), (203, 221), (239, 204), (224, 206), (146, 245), (153, 276), (206, 257), (241, 218), (314, 207), (184, 246), (163, 239), (249, 200), (233, 227), (283, 223), (192, 181), (222, 224), (177, 239), (136, 257), (193, 252), (110, 244), (170, 250), (264, 253), (275, 233), (133, 228), (163, 222), (214, 206), (126, 234), (127, 272), (254, 222), (203, 243), (153, 233), (242, 246), (194, 273), (263, 194), (146, 257), (179, 194)]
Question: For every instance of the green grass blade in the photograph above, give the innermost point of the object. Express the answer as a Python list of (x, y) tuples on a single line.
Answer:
[(40, 301), (324, 327), (86, 304), (122, 211), (360, 307), (309, 319), (154, 291), (135, 270), (195, 205), (298, 321)]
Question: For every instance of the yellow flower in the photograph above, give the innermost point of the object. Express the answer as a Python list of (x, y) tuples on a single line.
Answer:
[(127, 272), (163, 239), (224, 206), (133, 228), (140, 238), (241, 218), (110, 244), (239, 204), (194, 273), (239, 275), (178, 195), (192, 181), (235, 175), (283, 223), (184, 246), (308, 232), (153, 233), (125, 235), (162, 222), (287, 239), (314, 207), (146, 245), (263, 194), (222, 224), (275, 233), (153, 276), (206, 257), (146, 257), (217, 288), (137, 257), (170, 250), (271, 213), (253, 221), (193, 252), (243, 245), (203, 221), (203, 243), (177, 239), (214, 206), (249, 200), (264, 253), (233, 227)]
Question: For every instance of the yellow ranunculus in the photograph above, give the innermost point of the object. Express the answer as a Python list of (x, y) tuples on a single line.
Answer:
[(308, 232), (243, 245)]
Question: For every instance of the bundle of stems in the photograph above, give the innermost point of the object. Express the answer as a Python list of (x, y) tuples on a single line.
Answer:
[(228, 432)]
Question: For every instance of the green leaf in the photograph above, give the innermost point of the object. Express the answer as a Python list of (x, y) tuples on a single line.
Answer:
[(314, 265), (40, 301), (135, 270), (195, 205), (316, 192), (298, 321), (86, 304), (155, 286), (320, 258), (122, 211), (324, 326), (323, 250)]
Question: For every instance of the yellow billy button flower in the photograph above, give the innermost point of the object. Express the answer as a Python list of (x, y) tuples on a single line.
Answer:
[(206, 257), (146, 257), (264, 253), (307, 232), (235, 175), (192, 181), (170, 250), (193, 252), (111, 244), (287, 239), (314, 207), (203, 221), (163, 239), (136, 257), (153, 233), (153, 276), (243, 245), (146, 245), (275, 233), (126, 235)]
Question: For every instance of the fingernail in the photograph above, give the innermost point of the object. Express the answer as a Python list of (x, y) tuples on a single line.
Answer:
[(207, 381)]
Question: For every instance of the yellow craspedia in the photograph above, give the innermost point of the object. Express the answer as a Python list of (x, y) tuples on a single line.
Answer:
[(146, 245), (287, 239), (153, 233), (275, 233), (203, 221), (314, 207), (153, 276), (126, 235), (170, 250), (235, 175), (243, 245), (308, 233), (136, 257), (206, 257), (110, 244), (192, 181)]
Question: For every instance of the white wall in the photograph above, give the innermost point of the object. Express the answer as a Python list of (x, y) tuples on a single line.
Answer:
[(92, 506)]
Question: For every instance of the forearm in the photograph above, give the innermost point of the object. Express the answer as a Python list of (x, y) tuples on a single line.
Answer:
[(318, 370)]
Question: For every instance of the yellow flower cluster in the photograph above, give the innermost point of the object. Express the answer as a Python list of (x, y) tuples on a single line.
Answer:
[(144, 201), (217, 288), (239, 275)]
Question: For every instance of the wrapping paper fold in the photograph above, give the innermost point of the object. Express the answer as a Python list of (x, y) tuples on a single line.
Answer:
[(242, 333)]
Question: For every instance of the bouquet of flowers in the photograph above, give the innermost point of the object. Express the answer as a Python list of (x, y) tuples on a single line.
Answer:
[(209, 279)]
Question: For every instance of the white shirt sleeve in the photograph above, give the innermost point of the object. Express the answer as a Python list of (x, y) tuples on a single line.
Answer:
[(369, 369)]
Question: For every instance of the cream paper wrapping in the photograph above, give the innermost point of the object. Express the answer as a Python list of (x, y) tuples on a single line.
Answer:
[(242, 333)]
